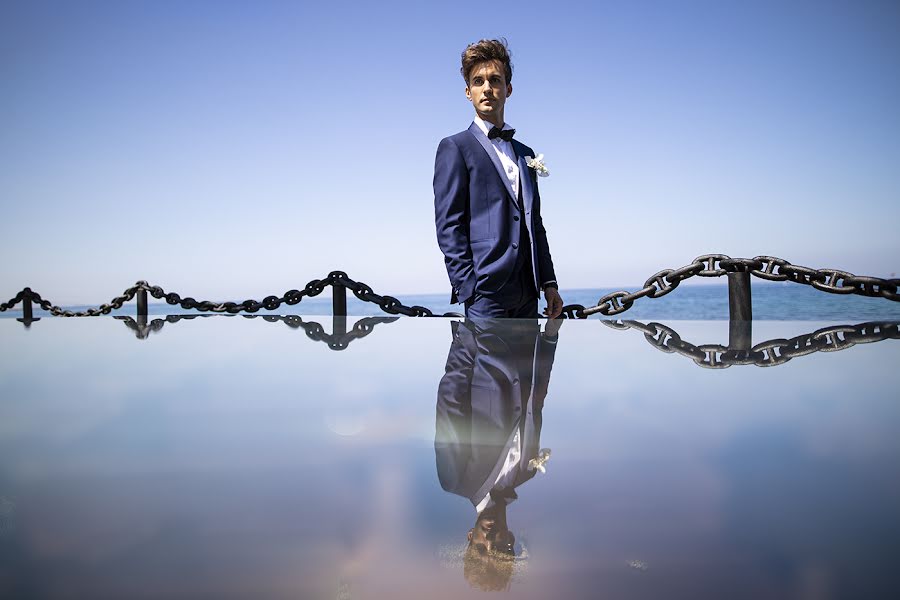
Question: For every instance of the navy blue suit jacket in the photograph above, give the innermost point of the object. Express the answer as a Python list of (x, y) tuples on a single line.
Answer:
[(476, 216)]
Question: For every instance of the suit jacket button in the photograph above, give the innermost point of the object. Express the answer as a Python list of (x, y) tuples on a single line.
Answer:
[(515, 217), (515, 246)]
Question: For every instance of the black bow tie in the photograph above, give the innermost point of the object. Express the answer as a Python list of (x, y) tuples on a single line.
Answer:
[(504, 134)]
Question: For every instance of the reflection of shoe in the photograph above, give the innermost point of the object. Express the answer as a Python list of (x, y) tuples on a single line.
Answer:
[(539, 461)]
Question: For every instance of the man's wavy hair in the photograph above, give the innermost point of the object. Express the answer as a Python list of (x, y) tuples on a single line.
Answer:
[(486, 50)]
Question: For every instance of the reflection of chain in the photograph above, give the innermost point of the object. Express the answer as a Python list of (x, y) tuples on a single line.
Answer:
[(314, 330), (770, 353), (770, 268)]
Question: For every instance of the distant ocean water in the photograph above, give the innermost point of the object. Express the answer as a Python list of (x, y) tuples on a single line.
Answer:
[(771, 301)]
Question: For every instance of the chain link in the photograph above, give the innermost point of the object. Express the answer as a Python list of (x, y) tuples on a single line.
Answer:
[(14, 300), (771, 268), (770, 353)]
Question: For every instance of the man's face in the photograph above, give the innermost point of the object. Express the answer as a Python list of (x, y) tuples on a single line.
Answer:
[(488, 90)]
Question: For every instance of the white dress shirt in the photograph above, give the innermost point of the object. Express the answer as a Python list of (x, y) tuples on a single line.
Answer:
[(506, 154)]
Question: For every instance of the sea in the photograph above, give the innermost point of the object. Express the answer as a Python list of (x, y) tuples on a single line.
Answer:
[(784, 301)]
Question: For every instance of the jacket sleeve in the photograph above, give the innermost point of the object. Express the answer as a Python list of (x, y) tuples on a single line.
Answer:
[(451, 217), (545, 262)]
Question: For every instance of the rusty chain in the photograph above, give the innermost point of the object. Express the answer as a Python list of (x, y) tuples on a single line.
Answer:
[(770, 353), (770, 268)]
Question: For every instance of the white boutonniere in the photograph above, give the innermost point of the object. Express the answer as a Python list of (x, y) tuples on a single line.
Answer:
[(538, 165), (539, 461)]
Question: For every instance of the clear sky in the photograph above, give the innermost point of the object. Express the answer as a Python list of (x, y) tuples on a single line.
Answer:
[(238, 149)]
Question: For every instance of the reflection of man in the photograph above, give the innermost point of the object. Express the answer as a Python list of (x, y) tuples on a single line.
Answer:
[(487, 436), (486, 202)]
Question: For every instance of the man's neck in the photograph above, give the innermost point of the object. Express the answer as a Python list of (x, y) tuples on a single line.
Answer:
[(495, 120)]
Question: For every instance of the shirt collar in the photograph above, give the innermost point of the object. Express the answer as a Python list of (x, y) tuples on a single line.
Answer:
[(485, 127)]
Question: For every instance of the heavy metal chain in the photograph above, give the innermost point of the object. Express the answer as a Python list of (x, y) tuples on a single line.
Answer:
[(770, 268), (291, 297), (770, 353), (388, 304), (103, 309)]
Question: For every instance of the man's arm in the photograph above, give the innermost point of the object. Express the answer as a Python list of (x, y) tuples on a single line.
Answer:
[(451, 217)]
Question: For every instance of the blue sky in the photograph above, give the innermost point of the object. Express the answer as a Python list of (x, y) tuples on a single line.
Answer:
[(238, 149)]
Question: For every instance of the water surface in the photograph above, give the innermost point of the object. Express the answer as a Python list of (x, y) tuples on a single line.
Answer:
[(231, 457)]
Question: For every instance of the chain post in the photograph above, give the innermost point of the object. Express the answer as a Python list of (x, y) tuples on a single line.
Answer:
[(27, 313), (740, 311), (27, 309), (142, 303), (339, 300), (739, 300)]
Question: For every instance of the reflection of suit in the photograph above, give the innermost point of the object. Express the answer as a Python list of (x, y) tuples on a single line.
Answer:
[(486, 232), (494, 384)]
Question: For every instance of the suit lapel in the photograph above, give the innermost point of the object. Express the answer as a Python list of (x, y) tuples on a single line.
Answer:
[(525, 181), (527, 185), (492, 154)]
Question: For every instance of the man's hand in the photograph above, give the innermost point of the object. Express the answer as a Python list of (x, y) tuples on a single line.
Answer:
[(554, 303)]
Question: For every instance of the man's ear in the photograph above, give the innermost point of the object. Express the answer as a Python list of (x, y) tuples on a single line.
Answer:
[(469, 535), (508, 90), (468, 94)]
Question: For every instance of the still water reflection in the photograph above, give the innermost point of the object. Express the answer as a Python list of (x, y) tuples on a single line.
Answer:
[(232, 457), (488, 431)]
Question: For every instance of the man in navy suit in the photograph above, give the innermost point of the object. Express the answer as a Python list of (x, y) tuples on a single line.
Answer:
[(486, 202)]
